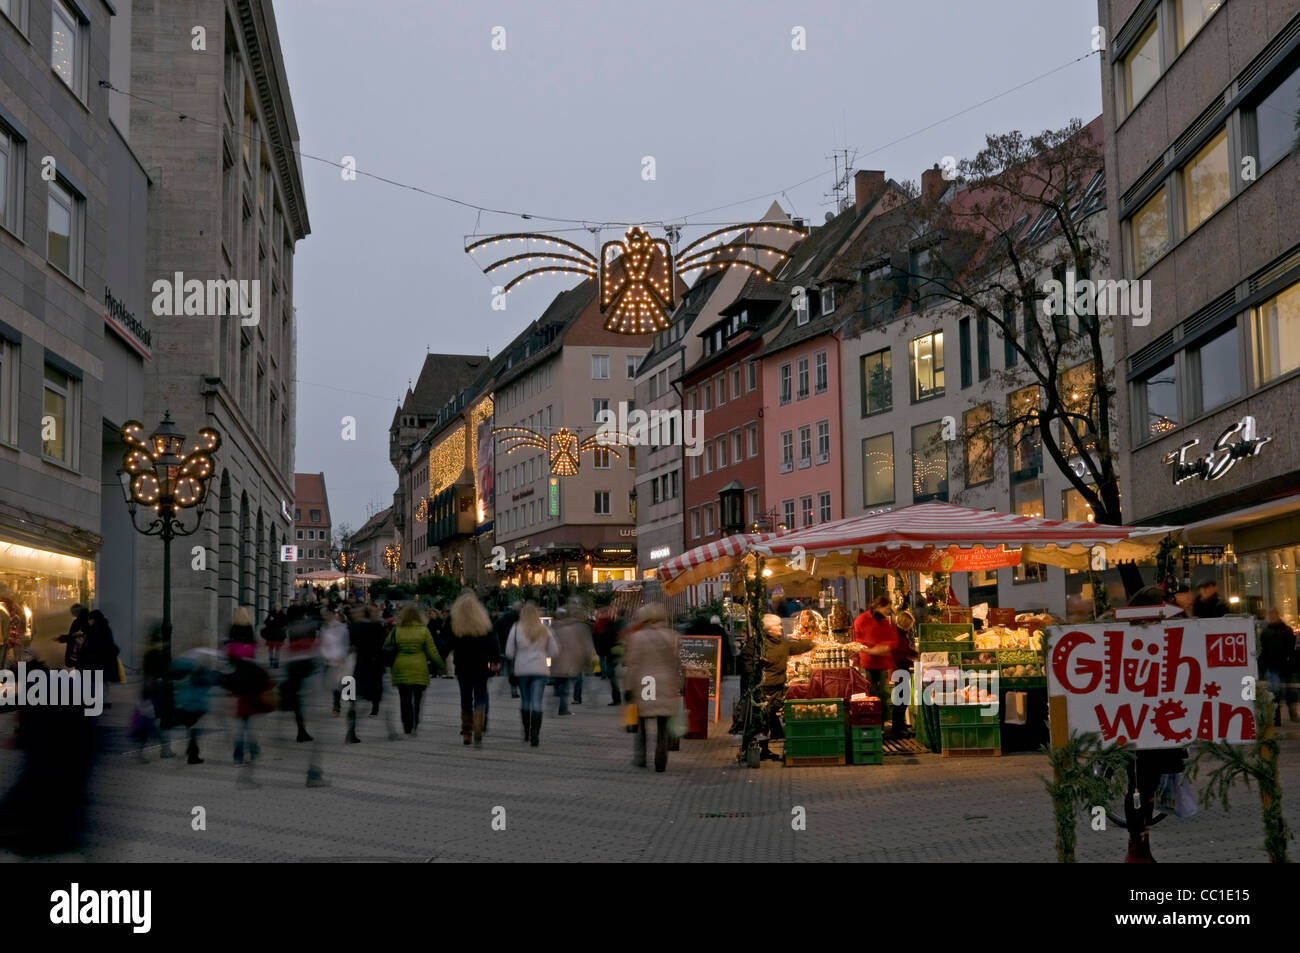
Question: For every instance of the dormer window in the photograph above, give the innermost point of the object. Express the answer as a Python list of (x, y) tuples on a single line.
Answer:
[(828, 300)]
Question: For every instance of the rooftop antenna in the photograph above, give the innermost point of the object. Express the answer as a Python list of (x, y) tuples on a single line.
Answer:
[(840, 195)]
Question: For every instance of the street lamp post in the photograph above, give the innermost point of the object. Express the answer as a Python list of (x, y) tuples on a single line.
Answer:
[(164, 485)]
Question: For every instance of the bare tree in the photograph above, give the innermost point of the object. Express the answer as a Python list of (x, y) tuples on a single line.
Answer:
[(1024, 212)]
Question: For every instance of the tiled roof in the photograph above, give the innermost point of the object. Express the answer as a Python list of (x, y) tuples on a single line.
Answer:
[(309, 493)]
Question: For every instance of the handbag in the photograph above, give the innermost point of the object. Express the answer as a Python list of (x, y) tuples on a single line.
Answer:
[(388, 654), (678, 723), (121, 672)]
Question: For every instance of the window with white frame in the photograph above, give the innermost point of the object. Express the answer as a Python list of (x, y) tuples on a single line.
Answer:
[(787, 384), (695, 523), (67, 47), (602, 503), (64, 229), (600, 367), (721, 383), (828, 300), (60, 413), (806, 509), (598, 406), (722, 452), (8, 391), (787, 451), (824, 507), (708, 457), (708, 519), (823, 441), (11, 180), (751, 370), (751, 439), (803, 377), (735, 383), (600, 458), (787, 509), (737, 449), (754, 514), (805, 447), (633, 362), (821, 381)]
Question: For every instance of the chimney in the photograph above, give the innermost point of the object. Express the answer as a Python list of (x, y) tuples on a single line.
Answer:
[(868, 184), (932, 184)]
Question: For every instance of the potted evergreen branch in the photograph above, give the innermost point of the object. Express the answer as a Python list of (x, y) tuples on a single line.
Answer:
[(1085, 774)]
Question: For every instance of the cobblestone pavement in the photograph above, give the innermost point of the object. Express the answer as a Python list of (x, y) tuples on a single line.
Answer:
[(577, 797)]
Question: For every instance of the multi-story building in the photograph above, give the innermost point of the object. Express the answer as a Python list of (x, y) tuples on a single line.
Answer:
[(74, 337), (312, 527), (803, 467), (421, 415), (373, 541), (1200, 102), (923, 374), (216, 131), (660, 515), (560, 374)]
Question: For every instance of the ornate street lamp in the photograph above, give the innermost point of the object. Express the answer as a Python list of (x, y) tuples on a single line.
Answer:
[(162, 487)]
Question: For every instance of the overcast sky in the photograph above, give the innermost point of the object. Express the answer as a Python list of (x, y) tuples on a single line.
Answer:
[(557, 124)]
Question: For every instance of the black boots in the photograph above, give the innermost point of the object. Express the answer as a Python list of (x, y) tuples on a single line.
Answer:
[(477, 722), (535, 726), (466, 720), (528, 728)]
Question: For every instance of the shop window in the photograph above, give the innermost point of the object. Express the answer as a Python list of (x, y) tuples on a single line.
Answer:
[(1274, 118), (60, 417), (1218, 365), (1149, 230), (929, 464), (1075, 507), (977, 428), (1158, 394), (878, 470), (1141, 67), (877, 383), (1191, 16), (1206, 183), (927, 366), (1275, 335)]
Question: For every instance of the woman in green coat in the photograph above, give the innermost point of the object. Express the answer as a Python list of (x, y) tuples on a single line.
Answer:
[(415, 650)]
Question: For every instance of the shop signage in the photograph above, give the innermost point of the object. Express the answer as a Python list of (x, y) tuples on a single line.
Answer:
[(522, 494), (284, 510), (662, 552), (1153, 685), (553, 491), (1235, 443), (952, 559), (1215, 551), (627, 532), (615, 550), (121, 320), (288, 554)]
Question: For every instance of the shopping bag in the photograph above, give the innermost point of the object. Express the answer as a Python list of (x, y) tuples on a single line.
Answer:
[(678, 723), (629, 716), (1176, 795), (121, 672)]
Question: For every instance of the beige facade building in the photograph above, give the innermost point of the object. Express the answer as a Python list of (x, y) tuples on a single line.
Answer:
[(1202, 100)]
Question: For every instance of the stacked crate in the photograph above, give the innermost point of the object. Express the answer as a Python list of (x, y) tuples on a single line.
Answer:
[(866, 745), (815, 732)]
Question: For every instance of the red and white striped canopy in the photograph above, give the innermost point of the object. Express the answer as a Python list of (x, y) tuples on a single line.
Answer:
[(705, 562), (870, 540)]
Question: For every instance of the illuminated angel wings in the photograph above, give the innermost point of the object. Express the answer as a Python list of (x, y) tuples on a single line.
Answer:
[(563, 447), (638, 274)]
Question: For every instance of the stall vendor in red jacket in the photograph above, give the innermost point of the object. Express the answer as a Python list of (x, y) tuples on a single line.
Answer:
[(875, 631)]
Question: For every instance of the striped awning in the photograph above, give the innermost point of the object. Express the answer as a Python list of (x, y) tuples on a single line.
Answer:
[(957, 536), (705, 562)]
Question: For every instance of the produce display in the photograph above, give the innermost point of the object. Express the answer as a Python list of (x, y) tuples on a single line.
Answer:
[(801, 711)]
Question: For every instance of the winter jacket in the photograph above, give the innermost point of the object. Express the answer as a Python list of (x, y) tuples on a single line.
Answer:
[(576, 649), (531, 658), (334, 642), (1277, 648), (99, 652), (776, 654), (273, 630), (652, 653), (472, 654), (415, 650)]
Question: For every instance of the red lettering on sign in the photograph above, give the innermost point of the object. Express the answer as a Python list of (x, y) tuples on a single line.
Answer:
[(1226, 649), (1123, 719)]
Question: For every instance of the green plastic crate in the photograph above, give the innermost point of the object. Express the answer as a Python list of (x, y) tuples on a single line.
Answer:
[(876, 756), (814, 747), (795, 711), (814, 729), (945, 632), (971, 737)]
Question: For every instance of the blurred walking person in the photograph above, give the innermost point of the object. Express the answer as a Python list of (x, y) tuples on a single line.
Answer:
[(301, 665), (1277, 662), (531, 646), (251, 685), (477, 656), (273, 634), (99, 652), (652, 672), (367, 634), (335, 649), (577, 651), (155, 714), (414, 652), (605, 640), (504, 623), (75, 637), (191, 678)]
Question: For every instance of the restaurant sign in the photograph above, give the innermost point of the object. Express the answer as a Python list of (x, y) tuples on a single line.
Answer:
[(1159, 684), (127, 325), (1235, 443)]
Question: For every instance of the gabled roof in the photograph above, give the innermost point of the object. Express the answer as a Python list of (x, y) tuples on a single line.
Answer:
[(543, 338), (687, 311), (377, 525), (309, 493)]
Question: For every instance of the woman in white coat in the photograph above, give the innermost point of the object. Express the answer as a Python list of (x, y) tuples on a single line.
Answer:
[(531, 646)]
